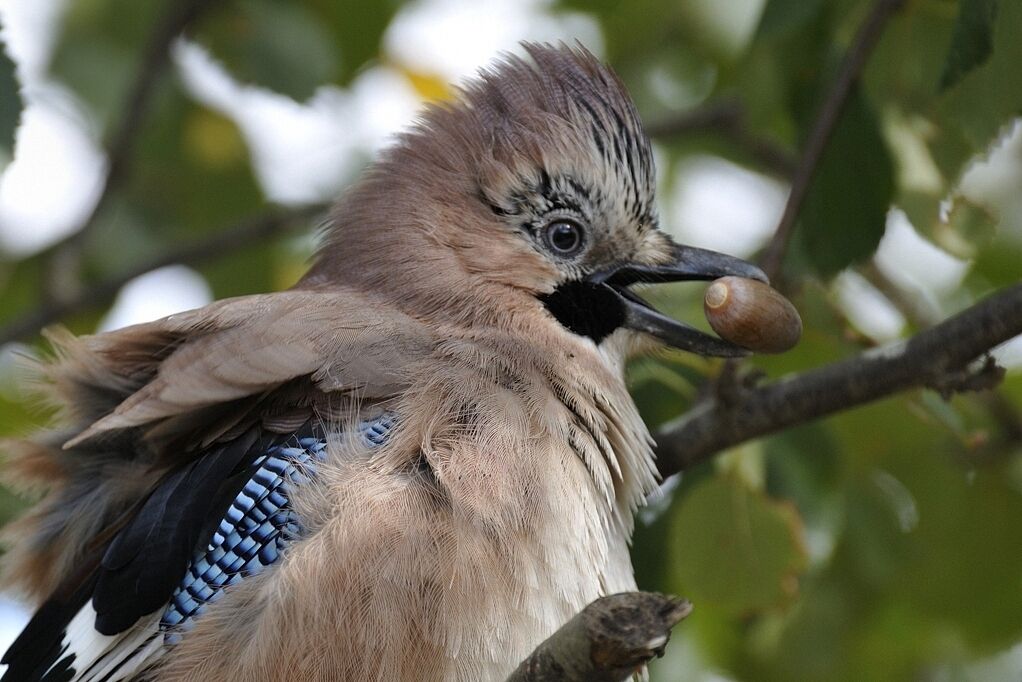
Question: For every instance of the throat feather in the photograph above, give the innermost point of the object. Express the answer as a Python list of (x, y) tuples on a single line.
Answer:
[(586, 309)]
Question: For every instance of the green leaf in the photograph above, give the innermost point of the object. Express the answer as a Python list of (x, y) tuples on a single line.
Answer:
[(972, 41), (966, 229), (803, 465), (19, 286), (845, 211), (661, 390), (283, 46), (357, 27), (782, 17), (997, 264), (937, 132), (184, 181), (952, 538), (99, 48), (982, 105), (10, 102), (192, 178), (734, 549)]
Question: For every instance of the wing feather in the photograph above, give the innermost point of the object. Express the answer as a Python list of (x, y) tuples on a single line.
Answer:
[(156, 417), (246, 346)]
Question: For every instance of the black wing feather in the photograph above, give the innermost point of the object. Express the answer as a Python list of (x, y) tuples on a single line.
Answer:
[(144, 562), (39, 647)]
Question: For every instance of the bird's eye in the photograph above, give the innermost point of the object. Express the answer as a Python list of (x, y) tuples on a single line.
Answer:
[(564, 237)]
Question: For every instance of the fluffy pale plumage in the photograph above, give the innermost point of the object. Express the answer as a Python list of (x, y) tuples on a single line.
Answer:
[(501, 503)]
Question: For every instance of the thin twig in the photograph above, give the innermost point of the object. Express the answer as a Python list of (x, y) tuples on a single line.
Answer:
[(928, 359), (244, 235), (922, 315), (121, 140), (823, 127), (179, 16), (726, 117), (911, 304)]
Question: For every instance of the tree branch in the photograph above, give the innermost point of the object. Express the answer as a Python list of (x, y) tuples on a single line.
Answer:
[(607, 641), (727, 118), (121, 140), (244, 235), (62, 260), (937, 358), (826, 121), (922, 315)]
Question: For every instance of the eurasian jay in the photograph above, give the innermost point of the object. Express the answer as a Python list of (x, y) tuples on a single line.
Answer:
[(415, 464)]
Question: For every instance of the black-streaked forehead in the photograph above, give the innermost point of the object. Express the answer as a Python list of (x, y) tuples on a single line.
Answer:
[(512, 99), (534, 198)]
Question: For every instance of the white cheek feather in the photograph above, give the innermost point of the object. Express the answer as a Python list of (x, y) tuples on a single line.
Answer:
[(616, 348)]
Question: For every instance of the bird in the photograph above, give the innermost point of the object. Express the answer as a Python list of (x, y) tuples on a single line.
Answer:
[(416, 463)]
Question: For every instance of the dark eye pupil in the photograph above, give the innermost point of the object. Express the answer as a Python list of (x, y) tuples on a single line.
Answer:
[(565, 237)]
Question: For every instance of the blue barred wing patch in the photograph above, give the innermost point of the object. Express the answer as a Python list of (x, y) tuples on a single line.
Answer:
[(256, 527)]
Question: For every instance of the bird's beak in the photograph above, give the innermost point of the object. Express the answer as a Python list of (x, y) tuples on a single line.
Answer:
[(687, 263)]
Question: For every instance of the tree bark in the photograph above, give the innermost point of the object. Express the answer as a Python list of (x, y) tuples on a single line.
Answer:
[(608, 641)]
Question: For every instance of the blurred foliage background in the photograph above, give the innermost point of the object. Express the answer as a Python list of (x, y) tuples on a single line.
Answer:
[(881, 544)]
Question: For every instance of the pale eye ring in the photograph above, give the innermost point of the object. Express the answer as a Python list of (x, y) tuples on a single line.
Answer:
[(564, 237)]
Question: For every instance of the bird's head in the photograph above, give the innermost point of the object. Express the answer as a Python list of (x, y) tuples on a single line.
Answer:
[(533, 190)]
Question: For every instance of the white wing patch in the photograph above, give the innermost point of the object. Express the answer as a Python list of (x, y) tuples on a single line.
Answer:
[(109, 658)]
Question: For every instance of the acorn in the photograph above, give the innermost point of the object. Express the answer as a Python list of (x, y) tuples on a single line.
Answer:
[(752, 315)]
